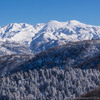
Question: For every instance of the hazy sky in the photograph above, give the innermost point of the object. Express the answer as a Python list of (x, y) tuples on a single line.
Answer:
[(41, 11)]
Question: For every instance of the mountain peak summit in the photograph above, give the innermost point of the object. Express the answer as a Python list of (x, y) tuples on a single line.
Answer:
[(53, 22), (53, 33), (74, 22)]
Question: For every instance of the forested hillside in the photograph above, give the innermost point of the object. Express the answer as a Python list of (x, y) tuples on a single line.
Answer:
[(48, 84), (59, 73), (10, 62), (84, 55)]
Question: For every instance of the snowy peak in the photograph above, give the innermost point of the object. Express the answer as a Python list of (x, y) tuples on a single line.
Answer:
[(74, 22), (42, 36), (21, 32), (56, 24), (52, 22)]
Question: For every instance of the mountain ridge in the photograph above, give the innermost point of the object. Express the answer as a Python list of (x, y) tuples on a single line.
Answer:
[(42, 36), (81, 54)]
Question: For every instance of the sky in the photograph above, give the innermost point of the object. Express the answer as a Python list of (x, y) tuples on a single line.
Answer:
[(42, 11)]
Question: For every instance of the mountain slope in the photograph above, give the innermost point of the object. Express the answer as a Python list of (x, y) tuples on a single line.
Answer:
[(82, 54), (47, 82), (8, 48), (11, 62), (94, 95), (42, 36)]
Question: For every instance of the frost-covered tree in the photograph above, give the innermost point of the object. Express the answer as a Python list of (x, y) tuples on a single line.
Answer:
[(53, 83)]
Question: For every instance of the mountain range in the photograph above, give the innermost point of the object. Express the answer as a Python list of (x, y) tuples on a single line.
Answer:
[(42, 36), (53, 60)]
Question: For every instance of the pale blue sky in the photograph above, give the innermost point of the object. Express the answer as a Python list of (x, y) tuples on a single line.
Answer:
[(41, 11)]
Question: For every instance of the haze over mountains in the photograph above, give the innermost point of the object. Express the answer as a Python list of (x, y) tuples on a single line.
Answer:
[(42, 36)]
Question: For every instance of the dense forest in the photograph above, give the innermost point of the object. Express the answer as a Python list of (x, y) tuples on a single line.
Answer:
[(48, 84)]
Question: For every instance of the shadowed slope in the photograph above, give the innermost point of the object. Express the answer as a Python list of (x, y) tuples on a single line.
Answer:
[(84, 55), (92, 95)]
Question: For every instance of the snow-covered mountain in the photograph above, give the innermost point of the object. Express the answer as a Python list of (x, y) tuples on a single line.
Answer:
[(45, 35), (20, 40), (8, 48)]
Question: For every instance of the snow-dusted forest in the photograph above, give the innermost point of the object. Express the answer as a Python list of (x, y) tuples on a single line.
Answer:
[(43, 61), (48, 84)]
